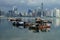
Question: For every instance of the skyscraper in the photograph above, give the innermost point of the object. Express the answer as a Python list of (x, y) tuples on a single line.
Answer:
[(42, 9), (15, 10), (57, 12), (30, 12)]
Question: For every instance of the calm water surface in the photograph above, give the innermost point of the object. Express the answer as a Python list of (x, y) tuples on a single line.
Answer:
[(9, 32)]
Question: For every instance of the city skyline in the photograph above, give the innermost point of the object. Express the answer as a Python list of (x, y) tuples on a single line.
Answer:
[(25, 4)]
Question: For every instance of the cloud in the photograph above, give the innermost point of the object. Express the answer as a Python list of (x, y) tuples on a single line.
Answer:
[(30, 2)]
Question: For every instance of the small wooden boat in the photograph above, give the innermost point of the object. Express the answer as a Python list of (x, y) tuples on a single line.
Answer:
[(11, 19), (17, 24), (34, 27), (21, 23), (15, 19)]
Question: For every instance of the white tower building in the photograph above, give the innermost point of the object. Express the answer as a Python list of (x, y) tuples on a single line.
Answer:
[(57, 12)]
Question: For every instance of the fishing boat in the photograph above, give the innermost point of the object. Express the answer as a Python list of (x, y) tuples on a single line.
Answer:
[(42, 25)]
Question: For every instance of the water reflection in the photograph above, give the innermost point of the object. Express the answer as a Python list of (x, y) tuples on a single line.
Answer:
[(56, 22), (0, 20), (55, 25), (7, 30)]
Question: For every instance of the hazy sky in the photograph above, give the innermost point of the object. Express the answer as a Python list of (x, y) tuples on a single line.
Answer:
[(24, 4)]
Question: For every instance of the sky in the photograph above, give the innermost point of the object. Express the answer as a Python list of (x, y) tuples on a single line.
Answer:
[(25, 4)]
